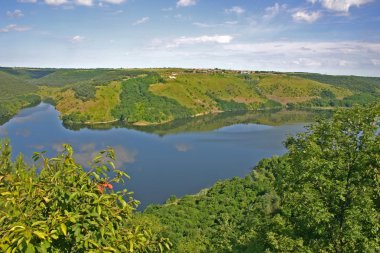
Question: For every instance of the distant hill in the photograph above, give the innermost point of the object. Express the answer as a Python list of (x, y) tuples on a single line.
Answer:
[(12, 86), (354, 83), (15, 94), (154, 96)]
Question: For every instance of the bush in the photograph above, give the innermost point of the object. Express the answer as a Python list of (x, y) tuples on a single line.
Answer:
[(59, 207)]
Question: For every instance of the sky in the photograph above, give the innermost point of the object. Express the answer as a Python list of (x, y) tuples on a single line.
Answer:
[(323, 36)]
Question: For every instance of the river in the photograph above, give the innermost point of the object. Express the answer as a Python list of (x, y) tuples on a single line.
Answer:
[(178, 159)]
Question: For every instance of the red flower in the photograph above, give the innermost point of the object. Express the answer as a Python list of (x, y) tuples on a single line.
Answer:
[(100, 188)]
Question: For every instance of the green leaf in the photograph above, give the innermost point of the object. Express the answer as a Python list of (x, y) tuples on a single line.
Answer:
[(30, 248), (39, 234), (17, 228), (38, 223), (64, 229)]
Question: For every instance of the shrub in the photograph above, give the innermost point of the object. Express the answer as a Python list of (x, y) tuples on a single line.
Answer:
[(60, 207)]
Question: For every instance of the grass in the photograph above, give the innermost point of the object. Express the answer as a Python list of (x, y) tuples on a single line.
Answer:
[(98, 109), (291, 89), (357, 84), (151, 96), (200, 92)]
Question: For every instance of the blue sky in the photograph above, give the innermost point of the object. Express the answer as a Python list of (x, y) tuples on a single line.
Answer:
[(324, 36)]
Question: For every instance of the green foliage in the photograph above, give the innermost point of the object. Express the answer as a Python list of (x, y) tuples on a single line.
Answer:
[(11, 86), (74, 118), (230, 105), (360, 99), (94, 77), (270, 104), (28, 73), (331, 187), (354, 83), (59, 207), (10, 107), (322, 196), (137, 103), (327, 94), (85, 91), (15, 94)]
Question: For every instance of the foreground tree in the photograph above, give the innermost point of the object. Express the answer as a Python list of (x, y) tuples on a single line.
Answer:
[(329, 186), (59, 207)]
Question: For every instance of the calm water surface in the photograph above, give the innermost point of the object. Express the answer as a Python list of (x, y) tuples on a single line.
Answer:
[(159, 166)]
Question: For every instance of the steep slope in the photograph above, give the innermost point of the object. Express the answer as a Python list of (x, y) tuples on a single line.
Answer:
[(12, 86), (203, 92), (288, 89)]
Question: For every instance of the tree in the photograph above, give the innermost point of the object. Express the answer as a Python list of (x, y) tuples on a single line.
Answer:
[(330, 186), (60, 207)]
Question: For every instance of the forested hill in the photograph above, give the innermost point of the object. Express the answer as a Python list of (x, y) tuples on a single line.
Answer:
[(323, 195), (153, 96)]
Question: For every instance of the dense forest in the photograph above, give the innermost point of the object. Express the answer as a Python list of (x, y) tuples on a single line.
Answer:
[(155, 96), (323, 195)]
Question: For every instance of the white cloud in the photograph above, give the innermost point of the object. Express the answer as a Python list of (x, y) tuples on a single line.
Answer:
[(77, 39), (344, 57), (207, 25), (231, 22), (185, 3), (84, 2), (88, 151), (204, 25), (236, 10), (307, 62), (305, 48), (340, 5), (219, 39), (346, 63), (3, 131), (15, 28), (167, 9), (15, 14), (118, 12), (303, 15), (114, 1), (55, 2), (272, 11), (182, 147), (141, 21)]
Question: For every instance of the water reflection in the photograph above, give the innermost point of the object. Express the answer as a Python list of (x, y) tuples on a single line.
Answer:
[(178, 158), (216, 121)]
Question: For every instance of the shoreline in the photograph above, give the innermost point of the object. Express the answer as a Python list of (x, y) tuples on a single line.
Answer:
[(146, 124)]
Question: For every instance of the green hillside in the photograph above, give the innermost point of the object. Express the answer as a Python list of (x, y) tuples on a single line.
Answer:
[(156, 96), (287, 89), (204, 93), (354, 83), (12, 86), (15, 94), (322, 196)]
